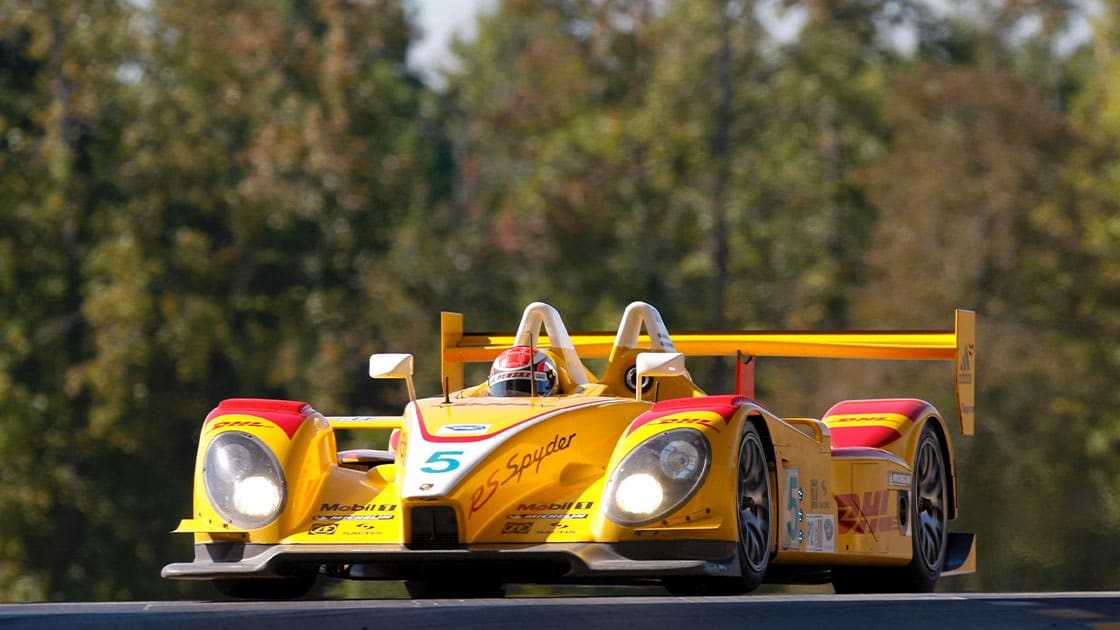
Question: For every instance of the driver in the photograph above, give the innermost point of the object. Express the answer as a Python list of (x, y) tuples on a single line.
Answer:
[(523, 371)]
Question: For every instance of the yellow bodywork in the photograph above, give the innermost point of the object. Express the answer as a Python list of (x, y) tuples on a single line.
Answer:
[(532, 471)]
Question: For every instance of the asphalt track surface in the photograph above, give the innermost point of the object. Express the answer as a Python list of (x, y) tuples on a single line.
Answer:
[(943, 610)]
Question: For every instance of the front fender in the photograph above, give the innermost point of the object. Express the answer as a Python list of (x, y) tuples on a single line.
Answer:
[(709, 513), (299, 437)]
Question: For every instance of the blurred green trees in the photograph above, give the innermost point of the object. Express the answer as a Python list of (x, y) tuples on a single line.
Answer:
[(203, 200)]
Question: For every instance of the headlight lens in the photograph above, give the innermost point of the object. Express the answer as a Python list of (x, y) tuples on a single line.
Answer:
[(680, 460), (243, 480), (657, 477), (639, 494)]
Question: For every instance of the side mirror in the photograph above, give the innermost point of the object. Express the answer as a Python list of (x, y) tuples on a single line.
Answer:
[(659, 364), (397, 366)]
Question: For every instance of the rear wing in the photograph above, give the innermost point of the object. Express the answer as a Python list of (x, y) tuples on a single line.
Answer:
[(957, 345)]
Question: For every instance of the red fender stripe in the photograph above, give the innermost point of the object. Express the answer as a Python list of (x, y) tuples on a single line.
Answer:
[(875, 437), (872, 435), (910, 407), (724, 405), (288, 415)]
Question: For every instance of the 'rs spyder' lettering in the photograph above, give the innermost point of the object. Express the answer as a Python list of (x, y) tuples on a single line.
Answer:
[(518, 463), (483, 493)]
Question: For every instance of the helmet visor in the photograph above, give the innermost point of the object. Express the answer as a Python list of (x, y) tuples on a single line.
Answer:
[(520, 383)]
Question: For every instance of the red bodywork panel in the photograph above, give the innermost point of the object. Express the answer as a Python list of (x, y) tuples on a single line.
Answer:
[(286, 414), (878, 422)]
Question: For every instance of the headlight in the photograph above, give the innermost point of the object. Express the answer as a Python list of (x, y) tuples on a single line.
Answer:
[(243, 480), (657, 477)]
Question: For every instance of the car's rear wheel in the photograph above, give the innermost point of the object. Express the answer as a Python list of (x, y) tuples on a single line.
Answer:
[(929, 519), (754, 506), (266, 588), (930, 489)]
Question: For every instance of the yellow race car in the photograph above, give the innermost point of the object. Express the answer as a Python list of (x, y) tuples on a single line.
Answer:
[(548, 473)]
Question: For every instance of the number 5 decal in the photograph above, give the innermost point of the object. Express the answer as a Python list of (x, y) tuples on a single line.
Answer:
[(442, 461)]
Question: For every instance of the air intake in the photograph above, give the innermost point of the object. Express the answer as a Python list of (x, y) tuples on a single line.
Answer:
[(434, 527)]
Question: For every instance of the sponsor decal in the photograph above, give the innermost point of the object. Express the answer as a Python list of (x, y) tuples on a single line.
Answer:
[(568, 505), (860, 418), (354, 517), (519, 463), (820, 533), (557, 528), (323, 529), (545, 517), (898, 479), (964, 376), (791, 513), (462, 429), (819, 496), (517, 528), (357, 507), (227, 424), (867, 514), (704, 422), (544, 529)]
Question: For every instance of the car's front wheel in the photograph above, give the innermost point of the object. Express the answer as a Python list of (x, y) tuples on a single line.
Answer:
[(754, 506)]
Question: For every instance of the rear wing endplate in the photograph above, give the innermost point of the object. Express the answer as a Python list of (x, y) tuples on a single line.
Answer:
[(957, 345)]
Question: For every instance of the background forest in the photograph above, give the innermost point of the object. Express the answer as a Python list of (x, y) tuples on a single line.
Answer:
[(201, 200)]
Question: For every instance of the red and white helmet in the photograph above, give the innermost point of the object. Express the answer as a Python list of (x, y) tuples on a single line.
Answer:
[(522, 371)]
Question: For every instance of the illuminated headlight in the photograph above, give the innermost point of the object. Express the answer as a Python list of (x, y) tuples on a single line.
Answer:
[(639, 494), (243, 480), (657, 477)]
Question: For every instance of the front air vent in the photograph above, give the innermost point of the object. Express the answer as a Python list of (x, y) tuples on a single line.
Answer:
[(434, 527)]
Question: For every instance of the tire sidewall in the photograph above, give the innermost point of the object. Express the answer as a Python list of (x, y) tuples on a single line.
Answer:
[(923, 576), (752, 577)]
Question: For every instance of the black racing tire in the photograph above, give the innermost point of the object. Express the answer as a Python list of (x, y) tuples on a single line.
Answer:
[(929, 510), (754, 504), (266, 588)]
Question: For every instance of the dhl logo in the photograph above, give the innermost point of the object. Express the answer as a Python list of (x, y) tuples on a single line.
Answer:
[(861, 418), (870, 514), (892, 420), (225, 424), (705, 422)]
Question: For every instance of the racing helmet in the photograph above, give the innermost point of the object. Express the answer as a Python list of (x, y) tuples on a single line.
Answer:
[(523, 371)]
